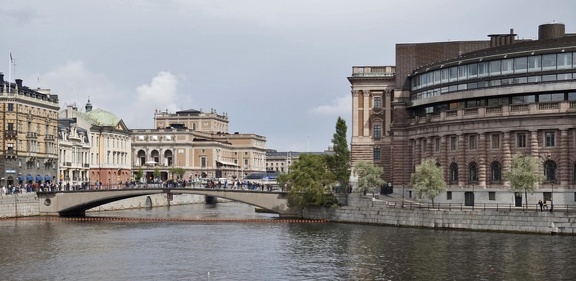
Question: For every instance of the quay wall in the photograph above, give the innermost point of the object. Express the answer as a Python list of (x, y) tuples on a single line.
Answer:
[(367, 210), (26, 204)]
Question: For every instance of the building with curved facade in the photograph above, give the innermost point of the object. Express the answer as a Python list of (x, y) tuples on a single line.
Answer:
[(471, 105)]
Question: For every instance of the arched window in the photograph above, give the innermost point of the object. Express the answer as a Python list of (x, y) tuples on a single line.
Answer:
[(142, 157), (168, 157), (453, 172), (496, 171), (550, 171), (472, 172)]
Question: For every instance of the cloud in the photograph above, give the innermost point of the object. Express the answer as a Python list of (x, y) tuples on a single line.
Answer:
[(160, 94), (340, 106)]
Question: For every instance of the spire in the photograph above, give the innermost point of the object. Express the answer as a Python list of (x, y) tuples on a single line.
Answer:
[(88, 106)]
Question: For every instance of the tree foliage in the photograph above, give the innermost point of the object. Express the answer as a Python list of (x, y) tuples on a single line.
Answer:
[(428, 180), (177, 171), (339, 163), (308, 181), (156, 173), (139, 174), (368, 176), (524, 174)]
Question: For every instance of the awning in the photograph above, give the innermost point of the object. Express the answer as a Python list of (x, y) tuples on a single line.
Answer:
[(38, 178), (20, 178), (47, 178), (226, 163), (29, 178)]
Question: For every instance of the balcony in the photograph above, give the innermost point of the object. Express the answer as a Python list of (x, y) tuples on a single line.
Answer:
[(49, 138), (31, 135), (11, 134)]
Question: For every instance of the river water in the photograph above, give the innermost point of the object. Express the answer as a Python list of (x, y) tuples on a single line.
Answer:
[(229, 241)]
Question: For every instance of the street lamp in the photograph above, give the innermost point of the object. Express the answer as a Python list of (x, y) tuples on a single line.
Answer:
[(552, 199)]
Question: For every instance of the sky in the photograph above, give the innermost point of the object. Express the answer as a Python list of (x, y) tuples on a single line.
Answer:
[(278, 68)]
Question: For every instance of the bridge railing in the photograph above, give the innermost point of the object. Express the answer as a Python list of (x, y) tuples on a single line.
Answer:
[(508, 207)]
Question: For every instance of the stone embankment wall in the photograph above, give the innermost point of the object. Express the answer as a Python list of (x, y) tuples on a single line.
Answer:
[(19, 205), (26, 204), (367, 210)]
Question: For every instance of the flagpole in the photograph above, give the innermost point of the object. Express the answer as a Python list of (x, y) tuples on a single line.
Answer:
[(9, 71)]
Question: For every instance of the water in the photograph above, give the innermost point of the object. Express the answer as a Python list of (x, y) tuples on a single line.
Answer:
[(264, 249)]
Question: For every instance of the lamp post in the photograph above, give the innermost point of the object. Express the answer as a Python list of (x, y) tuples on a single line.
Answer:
[(402, 195), (552, 199)]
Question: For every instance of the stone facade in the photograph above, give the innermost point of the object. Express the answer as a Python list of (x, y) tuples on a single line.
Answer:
[(471, 105), (28, 143)]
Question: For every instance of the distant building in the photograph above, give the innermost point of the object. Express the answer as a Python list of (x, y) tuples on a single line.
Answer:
[(28, 145), (74, 154), (471, 105), (110, 145), (197, 142), (280, 162)]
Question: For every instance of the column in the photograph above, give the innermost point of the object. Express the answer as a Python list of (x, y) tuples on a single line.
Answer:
[(445, 161), (462, 161), (387, 111), (564, 167), (506, 155), (483, 161)]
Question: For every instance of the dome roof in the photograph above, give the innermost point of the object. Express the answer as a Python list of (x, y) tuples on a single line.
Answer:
[(103, 118)]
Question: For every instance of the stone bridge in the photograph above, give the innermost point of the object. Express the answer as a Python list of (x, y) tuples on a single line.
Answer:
[(75, 203)]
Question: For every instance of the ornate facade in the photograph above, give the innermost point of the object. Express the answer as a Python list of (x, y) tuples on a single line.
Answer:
[(471, 106), (110, 145), (74, 154), (28, 144), (197, 142)]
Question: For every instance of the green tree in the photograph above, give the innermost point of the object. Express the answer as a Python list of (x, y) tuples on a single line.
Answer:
[(524, 174), (339, 163), (428, 180), (308, 181), (139, 174), (156, 173), (177, 171), (368, 176)]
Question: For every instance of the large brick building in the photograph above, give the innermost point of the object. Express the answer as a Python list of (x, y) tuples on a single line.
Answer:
[(471, 105)]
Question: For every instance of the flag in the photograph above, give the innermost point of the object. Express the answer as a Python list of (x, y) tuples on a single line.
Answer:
[(11, 59)]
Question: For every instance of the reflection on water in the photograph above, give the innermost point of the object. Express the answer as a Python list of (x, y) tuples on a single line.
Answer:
[(275, 250)]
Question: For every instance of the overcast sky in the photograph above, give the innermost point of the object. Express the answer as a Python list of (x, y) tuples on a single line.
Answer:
[(277, 67)]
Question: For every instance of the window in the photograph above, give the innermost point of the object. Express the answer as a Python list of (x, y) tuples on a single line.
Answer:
[(203, 162), (10, 107), (550, 171), (483, 69), (10, 126), (377, 131), (453, 143), (564, 61), (507, 66), (495, 68), (453, 172), (491, 195), (377, 154), (437, 144), (462, 72), (534, 64), (496, 171), (549, 139), (449, 195), (377, 102), (495, 141), (521, 65), (472, 172), (521, 140), (472, 142), (549, 62)]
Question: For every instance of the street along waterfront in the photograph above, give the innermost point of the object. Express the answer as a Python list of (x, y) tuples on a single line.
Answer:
[(231, 242)]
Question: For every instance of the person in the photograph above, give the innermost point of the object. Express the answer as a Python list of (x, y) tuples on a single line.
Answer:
[(545, 205), (540, 204)]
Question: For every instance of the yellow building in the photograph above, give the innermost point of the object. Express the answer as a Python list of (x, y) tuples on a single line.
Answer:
[(29, 152)]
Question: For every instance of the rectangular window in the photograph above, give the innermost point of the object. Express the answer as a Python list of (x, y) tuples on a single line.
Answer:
[(495, 68), (564, 61), (377, 131), (483, 68), (453, 143), (534, 64), (495, 141), (203, 162), (377, 102), (453, 74), (437, 144), (491, 195), (549, 62), (507, 66), (445, 75), (472, 142), (521, 65), (549, 139), (473, 70), (449, 195), (10, 126), (10, 107), (462, 72), (521, 140), (377, 154)]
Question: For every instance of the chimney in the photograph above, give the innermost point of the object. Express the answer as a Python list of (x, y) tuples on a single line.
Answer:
[(18, 83), (551, 30)]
